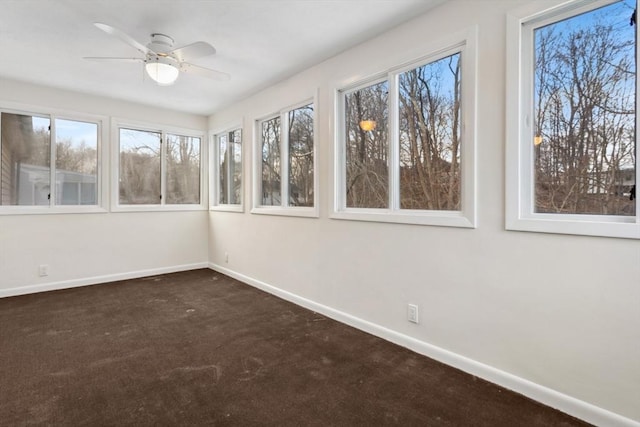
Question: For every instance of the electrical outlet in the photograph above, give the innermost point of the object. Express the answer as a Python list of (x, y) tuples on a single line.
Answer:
[(43, 270), (412, 313), (226, 257)]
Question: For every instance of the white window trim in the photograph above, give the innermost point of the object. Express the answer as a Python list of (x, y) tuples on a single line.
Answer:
[(464, 42), (102, 188), (215, 169), (116, 124), (284, 209), (520, 215)]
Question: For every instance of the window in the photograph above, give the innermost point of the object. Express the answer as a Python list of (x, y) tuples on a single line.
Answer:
[(38, 150), (403, 154), (183, 169), (158, 168), (300, 156), (227, 166), (76, 166), (271, 161), (287, 163), (572, 147), (429, 135), (140, 167), (367, 146)]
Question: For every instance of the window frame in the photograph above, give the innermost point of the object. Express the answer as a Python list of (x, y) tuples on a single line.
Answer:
[(101, 205), (116, 206), (284, 208), (519, 171), (214, 167), (464, 43)]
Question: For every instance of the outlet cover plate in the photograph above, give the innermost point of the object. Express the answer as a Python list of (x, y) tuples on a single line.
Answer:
[(412, 313)]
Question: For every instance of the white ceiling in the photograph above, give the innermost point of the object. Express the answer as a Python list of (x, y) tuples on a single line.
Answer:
[(258, 42)]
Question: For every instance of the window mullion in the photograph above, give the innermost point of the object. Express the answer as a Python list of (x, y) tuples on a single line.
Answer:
[(218, 190), (52, 161), (637, 124), (222, 191), (163, 164), (258, 165), (394, 145), (284, 159), (340, 164), (99, 165), (215, 175), (229, 159), (527, 177)]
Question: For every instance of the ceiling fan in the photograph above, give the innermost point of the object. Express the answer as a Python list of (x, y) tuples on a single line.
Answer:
[(161, 61)]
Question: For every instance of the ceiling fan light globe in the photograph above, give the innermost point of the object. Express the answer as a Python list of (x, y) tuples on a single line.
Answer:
[(162, 73)]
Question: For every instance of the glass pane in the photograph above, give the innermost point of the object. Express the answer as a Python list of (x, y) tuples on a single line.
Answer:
[(67, 193), (25, 173), (223, 167), (367, 146), (76, 162), (584, 95), (235, 156), (139, 167), (183, 170), (429, 115), (301, 156), (271, 162), (88, 193)]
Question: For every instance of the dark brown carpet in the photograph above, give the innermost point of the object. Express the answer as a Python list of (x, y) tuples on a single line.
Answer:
[(199, 348)]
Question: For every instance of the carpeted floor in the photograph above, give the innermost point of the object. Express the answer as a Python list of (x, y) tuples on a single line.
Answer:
[(199, 348)]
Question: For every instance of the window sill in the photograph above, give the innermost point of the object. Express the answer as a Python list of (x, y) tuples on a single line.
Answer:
[(227, 208), (587, 225), (434, 218), (280, 211), (41, 210), (158, 208)]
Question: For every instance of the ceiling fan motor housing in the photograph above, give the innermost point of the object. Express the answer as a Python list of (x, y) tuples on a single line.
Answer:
[(160, 43)]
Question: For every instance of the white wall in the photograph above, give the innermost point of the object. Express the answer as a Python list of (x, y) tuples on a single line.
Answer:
[(96, 247), (560, 311)]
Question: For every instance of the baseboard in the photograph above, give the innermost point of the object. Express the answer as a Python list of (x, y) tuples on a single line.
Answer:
[(65, 284), (562, 402)]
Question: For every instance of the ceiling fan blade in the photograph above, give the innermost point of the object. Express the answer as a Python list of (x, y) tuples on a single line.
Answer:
[(123, 36), (204, 72), (193, 51), (108, 59)]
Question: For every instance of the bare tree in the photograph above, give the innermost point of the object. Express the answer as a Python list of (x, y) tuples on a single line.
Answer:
[(367, 170), (301, 156), (139, 167), (585, 116), (430, 136), (183, 169), (271, 162), (76, 157)]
